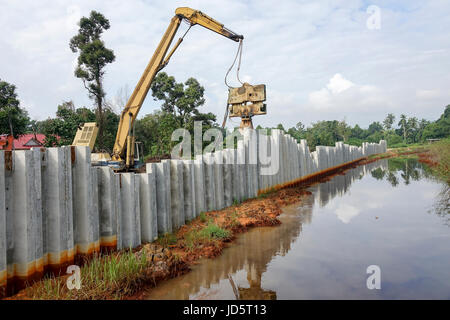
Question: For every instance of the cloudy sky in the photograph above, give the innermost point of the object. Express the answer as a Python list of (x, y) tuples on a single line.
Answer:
[(320, 60)]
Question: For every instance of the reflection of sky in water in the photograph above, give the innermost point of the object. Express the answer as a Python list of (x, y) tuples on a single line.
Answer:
[(324, 245)]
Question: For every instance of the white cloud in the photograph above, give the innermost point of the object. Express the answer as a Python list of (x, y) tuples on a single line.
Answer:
[(341, 94), (346, 212), (338, 83), (427, 94)]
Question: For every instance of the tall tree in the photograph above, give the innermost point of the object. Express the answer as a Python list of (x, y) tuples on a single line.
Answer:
[(182, 100), (343, 130), (403, 124), (92, 60), (389, 121), (413, 127), (13, 119)]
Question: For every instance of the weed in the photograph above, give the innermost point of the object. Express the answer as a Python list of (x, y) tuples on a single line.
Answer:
[(103, 277), (167, 239), (202, 216)]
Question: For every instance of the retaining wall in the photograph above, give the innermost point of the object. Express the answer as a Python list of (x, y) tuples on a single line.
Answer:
[(56, 207)]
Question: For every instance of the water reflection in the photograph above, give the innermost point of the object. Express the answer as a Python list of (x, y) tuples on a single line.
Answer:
[(406, 169), (340, 184), (374, 214), (238, 272), (442, 204)]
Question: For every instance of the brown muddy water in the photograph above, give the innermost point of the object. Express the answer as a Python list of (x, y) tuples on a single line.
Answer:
[(390, 213)]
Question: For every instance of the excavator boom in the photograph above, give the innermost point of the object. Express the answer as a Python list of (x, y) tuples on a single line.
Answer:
[(158, 61)]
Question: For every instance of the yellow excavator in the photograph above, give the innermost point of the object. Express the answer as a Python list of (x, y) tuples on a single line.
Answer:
[(246, 101)]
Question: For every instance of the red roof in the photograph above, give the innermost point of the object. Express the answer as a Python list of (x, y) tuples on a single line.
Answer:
[(27, 141)]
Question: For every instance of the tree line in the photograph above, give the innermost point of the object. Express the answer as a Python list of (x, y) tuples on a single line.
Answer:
[(407, 130)]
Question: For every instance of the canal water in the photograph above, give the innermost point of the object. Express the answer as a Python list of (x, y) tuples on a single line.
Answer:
[(390, 214)]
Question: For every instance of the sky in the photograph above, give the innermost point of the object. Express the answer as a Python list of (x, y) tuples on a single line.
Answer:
[(320, 60)]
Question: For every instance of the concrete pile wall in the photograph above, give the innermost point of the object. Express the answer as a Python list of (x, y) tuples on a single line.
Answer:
[(56, 207)]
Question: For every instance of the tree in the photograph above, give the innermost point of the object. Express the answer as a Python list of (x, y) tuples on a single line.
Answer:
[(413, 127), (322, 133), (92, 60), (357, 132), (13, 119), (388, 122), (61, 130), (438, 129), (182, 100), (155, 131), (344, 130), (403, 124), (375, 127), (280, 127), (180, 108)]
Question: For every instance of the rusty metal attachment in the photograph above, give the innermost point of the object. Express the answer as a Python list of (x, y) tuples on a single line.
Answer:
[(247, 101)]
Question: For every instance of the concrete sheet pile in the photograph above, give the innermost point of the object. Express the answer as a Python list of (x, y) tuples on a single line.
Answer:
[(55, 206)]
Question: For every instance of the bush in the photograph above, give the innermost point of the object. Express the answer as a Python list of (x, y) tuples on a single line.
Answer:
[(398, 145), (393, 139), (354, 142)]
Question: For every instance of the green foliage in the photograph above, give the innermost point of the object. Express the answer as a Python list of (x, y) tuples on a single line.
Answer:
[(103, 277), (393, 139), (438, 129), (92, 60), (61, 130), (375, 137), (179, 109), (155, 131), (13, 119), (202, 216), (410, 131), (209, 233), (388, 122), (182, 100), (398, 145), (167, 239), (213, 231), (357, 132), (355, 141), (343, 130)]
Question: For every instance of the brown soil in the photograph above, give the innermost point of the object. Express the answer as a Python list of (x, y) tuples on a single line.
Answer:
[(428, 159)]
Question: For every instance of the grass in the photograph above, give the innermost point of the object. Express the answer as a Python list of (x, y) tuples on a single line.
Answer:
[(438, 157), (167, 239), (205, 235), (103, 277), (202, 216)]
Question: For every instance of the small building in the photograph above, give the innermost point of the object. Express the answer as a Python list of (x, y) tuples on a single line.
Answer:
[(25, 141)]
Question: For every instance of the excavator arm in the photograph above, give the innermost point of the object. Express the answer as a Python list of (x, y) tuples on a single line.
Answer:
[(124, 140)]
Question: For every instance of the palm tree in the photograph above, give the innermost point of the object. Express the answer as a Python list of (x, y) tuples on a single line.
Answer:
[(413, 125), (403, 124), (389, 121)]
